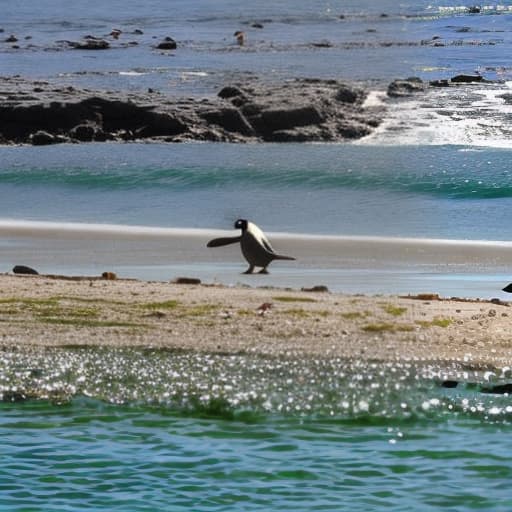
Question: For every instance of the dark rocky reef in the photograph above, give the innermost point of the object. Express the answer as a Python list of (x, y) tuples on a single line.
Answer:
[(292, 111)]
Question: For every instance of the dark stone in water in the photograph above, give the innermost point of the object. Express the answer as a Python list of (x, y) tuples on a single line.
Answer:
[(347, 95), (449, 384), (13, 396), (90, 43), (507, 98), (322, 44), (439, 83), (405, 87), (466, 79), (167, 44), (508, 288), (499, 389), (22, 269)]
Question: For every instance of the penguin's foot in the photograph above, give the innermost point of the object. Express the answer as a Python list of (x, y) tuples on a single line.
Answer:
[(263, 271), (250, 270)]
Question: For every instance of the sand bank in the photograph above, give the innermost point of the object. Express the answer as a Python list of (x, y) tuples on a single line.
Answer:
[(346, 264), (42, 311)]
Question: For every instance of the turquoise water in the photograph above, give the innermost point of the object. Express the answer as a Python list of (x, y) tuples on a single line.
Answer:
[(149, 430), (417, 191)]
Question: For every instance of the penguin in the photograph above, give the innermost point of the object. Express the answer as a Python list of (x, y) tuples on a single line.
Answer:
[(254, 244)]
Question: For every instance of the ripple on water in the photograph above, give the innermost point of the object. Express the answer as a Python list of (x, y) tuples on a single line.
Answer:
[(138, 430)]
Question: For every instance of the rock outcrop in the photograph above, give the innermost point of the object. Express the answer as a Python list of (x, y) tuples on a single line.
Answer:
[(296, 110)]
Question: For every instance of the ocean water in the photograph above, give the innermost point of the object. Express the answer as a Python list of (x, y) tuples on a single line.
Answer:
[(151, 430), (333, 189), (144, 430)]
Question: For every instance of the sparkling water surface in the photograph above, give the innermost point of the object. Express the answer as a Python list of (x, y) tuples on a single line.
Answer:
[(155, 430)]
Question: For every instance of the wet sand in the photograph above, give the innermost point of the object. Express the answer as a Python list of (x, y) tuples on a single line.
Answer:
[(370, 265), (42, 311)]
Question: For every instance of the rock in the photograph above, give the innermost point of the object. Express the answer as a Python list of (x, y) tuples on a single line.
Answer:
[(256, 25), (449, 384), (42, 138), (466, 79), (12, 396), (187, 280), (230, 119), (167, 44), (287, 118), (11, 39), (295, 110), (475, 9), (346, 94), (499, 389), (22, 269), (322, 44), (507, 98), (110, 276), (318, 288), (354, 130), (508, 288), (439, 83), (229, 92), (83, 133), (90, 44), (405, 87)]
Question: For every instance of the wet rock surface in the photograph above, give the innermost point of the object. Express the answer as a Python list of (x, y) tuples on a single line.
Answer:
[(299, 110)]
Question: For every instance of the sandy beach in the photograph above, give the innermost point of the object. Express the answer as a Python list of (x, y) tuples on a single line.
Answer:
[(346, 264), (64, 312)]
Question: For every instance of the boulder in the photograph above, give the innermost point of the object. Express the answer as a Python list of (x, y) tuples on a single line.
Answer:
[(42, 138), (347, 94), (231, 119), (90, 44), (167, 44), (83, 133), (229, 92), (287, 118), (405, 87), (22, 269), (466, 79), (439, 83)]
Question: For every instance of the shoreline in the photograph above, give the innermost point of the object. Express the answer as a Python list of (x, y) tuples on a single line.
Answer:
[(348, 264), (38, 311)]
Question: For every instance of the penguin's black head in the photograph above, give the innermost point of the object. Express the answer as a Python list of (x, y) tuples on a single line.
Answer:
[(241, 224)]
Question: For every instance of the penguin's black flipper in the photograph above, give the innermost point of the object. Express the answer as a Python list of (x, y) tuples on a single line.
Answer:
[(508, 288), (219, 242), (281, 257)]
